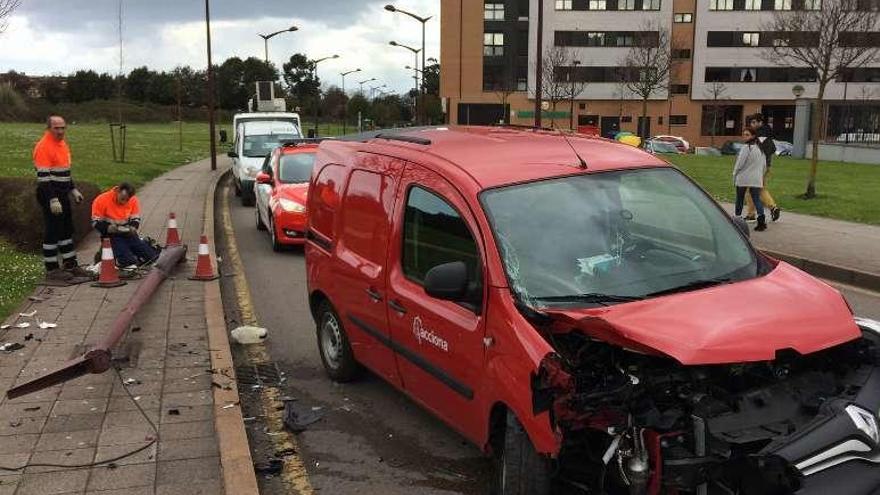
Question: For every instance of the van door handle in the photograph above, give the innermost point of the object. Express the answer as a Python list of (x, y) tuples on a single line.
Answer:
[(374, 294), (396, 306)]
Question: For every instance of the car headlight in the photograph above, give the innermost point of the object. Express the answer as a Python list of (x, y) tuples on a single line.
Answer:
[(291, 206), (252, 172)]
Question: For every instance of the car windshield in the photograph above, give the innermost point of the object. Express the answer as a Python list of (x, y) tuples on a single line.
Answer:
[(296, 168), (260, 145), (614, 237)]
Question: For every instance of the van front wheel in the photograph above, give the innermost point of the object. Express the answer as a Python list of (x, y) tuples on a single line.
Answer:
[(519, 469), (334, 347)]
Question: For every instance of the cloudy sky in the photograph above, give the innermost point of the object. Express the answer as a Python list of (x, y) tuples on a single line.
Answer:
[(48, 36)]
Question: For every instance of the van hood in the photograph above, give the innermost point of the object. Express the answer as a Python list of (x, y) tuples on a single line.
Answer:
[(745, 321), (248, 162)]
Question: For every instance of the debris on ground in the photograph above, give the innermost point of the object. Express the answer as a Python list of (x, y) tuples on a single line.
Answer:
[(15, 423), (44, 325), (23, 325), (297, 418), (5, 327), (274, 466), (28, 315), (131, 381), (249, 335), (174, 412), (32, 408), (29, 336), (11, 347), (36, 299)]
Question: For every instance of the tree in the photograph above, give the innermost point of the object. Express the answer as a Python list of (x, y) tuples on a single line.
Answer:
[(137, 85), (556, 78), (432, 79), (6, 8), (830, 42), (647, 67), (162, 89), (299, 78), (716, 91), (358, 104), (19, 81), (52, 89), (334, 102)]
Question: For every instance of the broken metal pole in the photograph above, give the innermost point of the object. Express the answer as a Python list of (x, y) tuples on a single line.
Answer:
[(98, 359)]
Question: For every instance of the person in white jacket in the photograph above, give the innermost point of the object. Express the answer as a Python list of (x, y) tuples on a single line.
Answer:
[(748, 175)]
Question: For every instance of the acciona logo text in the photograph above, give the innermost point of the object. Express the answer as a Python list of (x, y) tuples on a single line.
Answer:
[(423, 334)]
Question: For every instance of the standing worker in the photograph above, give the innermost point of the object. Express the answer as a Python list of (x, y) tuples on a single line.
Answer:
[(55, 188), (764, 134)]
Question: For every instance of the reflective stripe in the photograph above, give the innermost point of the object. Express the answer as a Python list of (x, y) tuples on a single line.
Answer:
[(65, 242), (50, 247), (203, 250), (106, 253), (68, 255), (172, 223), (44, 179), (53, 259)]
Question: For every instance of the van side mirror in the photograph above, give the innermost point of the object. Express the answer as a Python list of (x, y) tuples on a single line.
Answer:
[(742, 226), (264, 178), (232, 154), (448, 281)]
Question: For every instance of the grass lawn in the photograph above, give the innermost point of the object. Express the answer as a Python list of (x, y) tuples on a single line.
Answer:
[(846, 191), (152, 149)]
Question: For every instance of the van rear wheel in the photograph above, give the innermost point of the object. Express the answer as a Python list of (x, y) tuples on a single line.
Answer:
[(519, 469), (334, 347)]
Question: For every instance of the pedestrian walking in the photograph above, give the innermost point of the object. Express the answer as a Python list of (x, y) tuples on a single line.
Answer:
[(748, 175), (764, 134), (116, 214), (55, 189)]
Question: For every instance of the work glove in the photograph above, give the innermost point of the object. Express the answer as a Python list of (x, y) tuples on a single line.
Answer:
[(113, 229), (55, 206), (76, 195)]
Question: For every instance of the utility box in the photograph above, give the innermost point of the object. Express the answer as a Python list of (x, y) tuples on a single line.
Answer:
[(265, 101)]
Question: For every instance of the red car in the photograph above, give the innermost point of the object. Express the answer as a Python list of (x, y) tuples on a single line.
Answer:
[(281, 191), (588, 316)]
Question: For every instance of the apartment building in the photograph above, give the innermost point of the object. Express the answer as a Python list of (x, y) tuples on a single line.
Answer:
[(720, 71)]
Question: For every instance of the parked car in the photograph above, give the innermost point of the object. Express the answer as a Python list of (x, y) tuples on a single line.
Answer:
[(253, 142), (281, 191), (655, 146), (731, 147), (679, 142), (783, 148), (587, 315), (290, 117)]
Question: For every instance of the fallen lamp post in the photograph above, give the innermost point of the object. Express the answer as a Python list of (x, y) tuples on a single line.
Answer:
[(99, 359)]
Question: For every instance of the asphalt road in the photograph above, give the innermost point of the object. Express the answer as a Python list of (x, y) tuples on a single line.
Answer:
[(372, 438)]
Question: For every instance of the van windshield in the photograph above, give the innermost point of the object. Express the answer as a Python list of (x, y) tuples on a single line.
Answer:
[(258, 146), (613, 237)]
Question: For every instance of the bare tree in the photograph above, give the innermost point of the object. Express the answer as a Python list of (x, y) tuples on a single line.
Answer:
[(503, 94), (6, 8), (556, 78), (829, 41), (647, 66), (574, 86), (716, 91)]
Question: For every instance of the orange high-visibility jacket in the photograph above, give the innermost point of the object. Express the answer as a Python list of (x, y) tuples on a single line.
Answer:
[(106, 211), (52, 162)]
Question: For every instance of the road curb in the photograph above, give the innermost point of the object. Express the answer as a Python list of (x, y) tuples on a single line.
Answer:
[(239, 477), (844, 275)]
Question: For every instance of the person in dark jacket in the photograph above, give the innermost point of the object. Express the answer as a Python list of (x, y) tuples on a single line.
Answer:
[(117, 214), (764, 134)]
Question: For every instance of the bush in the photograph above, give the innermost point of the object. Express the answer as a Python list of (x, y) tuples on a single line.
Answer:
[(21, 218), (103, 111), (12, 105)]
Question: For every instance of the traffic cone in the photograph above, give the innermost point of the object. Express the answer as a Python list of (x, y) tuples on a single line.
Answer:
[(109, 275), (172, 238), (204, 268)]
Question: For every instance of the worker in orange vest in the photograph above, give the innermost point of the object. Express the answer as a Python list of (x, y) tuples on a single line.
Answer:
[(116, 214), (55, 188)]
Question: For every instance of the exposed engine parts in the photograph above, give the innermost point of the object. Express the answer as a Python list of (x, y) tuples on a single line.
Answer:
[(634, 423)]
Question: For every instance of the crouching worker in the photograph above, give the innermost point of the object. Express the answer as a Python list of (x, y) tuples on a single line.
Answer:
[(117, 214)]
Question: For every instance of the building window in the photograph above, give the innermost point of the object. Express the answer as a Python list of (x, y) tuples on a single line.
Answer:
[(493, 12), (522, 84), (679, 89), (493, 44), (760, 74), (812, 4), (650, 4), (683, 18), (782, 5), (626, 5), (722, 120), (678, 120), (597, 5), (720, 4), (681, 53), (753, 5), (563, 4), (750, 39), (625, 39), (595, 39)]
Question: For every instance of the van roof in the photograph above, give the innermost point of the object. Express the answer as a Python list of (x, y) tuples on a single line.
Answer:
[(267, 115), (495, 156), (268, 127)]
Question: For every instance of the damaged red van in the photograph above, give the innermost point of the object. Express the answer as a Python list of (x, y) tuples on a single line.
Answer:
[(588, 316)]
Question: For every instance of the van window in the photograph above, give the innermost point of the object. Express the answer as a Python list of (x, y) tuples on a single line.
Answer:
[(366, 209), (327, 195), (434, 234)]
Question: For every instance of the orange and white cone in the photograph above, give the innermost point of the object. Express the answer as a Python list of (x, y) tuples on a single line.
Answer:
[(109, 275), (172, 238), (204, 267)]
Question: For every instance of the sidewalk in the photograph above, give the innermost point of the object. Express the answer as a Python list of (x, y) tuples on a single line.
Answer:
[(842, 251), (165, 359)]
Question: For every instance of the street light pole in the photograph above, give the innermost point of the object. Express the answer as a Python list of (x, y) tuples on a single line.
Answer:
[(361, 84), (266, 38), (344, 102), (424, 21), (539, 64), (416, 68), (318, 96), (211, 127)]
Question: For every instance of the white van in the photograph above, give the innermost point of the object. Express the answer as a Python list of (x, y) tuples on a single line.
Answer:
[(241, 118), (254, 141)]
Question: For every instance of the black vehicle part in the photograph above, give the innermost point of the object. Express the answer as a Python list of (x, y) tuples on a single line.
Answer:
[(339, 361), (519, 470)]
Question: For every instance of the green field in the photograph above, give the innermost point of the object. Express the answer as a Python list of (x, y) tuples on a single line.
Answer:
[(845, 191), (151, 150)]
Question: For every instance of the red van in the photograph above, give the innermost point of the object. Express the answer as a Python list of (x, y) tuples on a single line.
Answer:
[(587, 315)]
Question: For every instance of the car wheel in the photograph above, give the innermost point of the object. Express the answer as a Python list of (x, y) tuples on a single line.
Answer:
[(248, 198), (237, 186), (273, 236), (260, 224), (334, 347), (519, 469)]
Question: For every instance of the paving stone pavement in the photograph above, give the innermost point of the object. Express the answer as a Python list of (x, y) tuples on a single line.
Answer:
[(96, 418)]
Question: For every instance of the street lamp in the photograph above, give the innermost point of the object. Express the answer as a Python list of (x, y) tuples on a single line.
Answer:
[(574, 63), (210, 88), (416, 52), (423, 20), (318, 96), (373, 90), (272, 35), (345, 103), (361, 84)]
